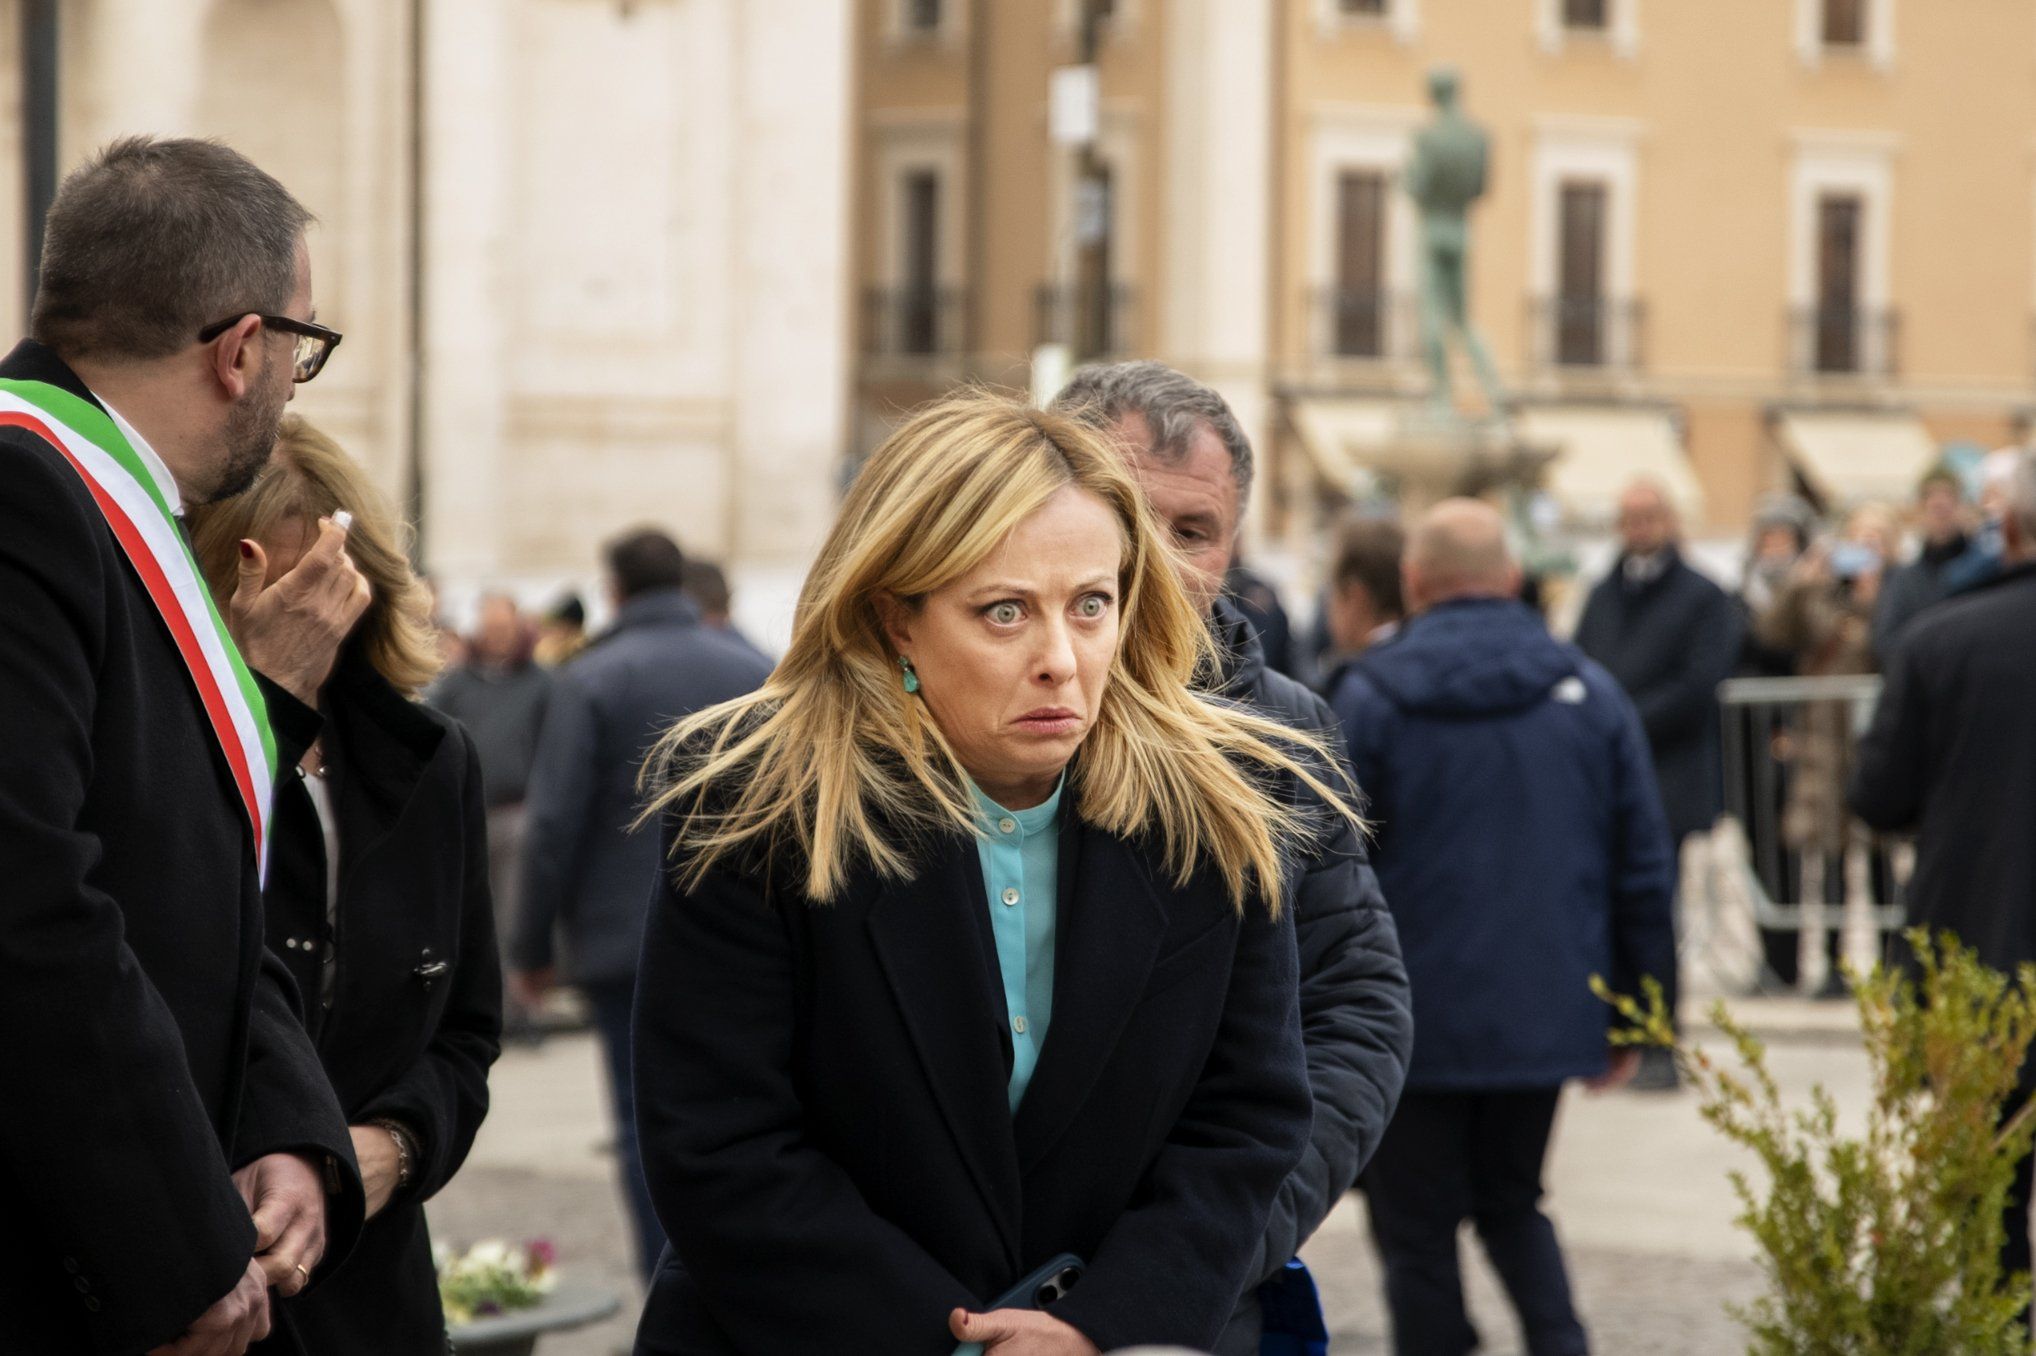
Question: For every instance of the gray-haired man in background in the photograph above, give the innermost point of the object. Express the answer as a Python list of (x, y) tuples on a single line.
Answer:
[(1195, 466)]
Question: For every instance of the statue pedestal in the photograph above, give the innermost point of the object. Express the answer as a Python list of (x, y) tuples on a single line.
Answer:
[(1415, 454)]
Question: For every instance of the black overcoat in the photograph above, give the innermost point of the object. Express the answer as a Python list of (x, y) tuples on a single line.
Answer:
[(1951, 757), (826, 1133), (148, 1043), (416, 1012), (1669, 642)]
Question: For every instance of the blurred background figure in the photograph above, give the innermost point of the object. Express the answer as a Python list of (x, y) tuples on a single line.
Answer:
[(500, 693), (376, 898), (586, 869), (1362, 605), (1948, 759), (1983, 560), (1669, 636), (562, 631), (1260, 603), (1824, 618), (707, 585), (1942, 527), (1517, 818)]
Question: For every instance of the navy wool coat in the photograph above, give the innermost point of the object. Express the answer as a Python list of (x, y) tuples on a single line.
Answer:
[(827, 1138), (1520, 842)]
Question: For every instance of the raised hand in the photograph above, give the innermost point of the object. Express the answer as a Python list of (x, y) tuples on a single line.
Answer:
[(291, 630)]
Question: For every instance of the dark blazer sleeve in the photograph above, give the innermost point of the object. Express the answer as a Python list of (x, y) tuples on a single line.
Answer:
[(1357, 1023), (289, 1107), (1173, 1266), (1888, 776), (744, 1196), (107, 1138), (563, 779), (443, 1097), (1643, 858)]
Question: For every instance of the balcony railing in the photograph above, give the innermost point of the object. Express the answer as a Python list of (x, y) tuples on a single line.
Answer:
[(1366, 325), (1586, 333), (914, 322), (1855, 341), (1098, 326)]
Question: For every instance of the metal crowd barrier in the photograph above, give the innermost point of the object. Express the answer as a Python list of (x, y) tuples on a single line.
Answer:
[(1766, 723)]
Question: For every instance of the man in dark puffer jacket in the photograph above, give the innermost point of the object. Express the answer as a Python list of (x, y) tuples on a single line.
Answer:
[(1195, 465)]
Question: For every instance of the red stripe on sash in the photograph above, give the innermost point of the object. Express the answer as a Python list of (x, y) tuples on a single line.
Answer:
[(165, 598)]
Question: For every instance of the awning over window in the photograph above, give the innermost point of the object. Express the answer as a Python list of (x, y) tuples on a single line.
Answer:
[(1853, 456), (1344, 437), (1602, 449)]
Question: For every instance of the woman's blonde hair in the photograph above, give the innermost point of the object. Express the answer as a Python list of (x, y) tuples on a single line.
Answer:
[(834, 763), (311, 477)]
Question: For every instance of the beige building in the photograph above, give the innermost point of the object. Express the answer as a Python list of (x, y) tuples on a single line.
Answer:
[(1739, 243), (631, 239)]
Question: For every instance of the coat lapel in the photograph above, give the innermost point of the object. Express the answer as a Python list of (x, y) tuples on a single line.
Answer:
[(1109, 927), (931, 938)]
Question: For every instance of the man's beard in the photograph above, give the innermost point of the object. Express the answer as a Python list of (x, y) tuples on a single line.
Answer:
[(252, 427)]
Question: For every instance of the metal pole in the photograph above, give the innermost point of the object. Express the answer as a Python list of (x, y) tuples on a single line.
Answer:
[(415, 489), (39, 128), (1091, 328)]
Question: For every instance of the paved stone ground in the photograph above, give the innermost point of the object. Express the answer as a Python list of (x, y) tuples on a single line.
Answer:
[(1637, 1187)]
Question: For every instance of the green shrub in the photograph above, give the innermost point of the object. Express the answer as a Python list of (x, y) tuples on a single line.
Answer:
[(1887, 1243)]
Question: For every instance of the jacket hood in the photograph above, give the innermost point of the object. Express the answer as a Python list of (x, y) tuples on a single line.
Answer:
[(1475, 657)]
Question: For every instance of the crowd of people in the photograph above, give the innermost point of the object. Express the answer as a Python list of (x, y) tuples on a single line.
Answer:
[(1027, 962)]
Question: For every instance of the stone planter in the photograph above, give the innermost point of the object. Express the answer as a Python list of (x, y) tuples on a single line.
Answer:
[(516, 1334)]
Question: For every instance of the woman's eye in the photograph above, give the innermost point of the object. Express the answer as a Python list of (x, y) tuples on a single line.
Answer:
[(1005, 614), (1092, 607)]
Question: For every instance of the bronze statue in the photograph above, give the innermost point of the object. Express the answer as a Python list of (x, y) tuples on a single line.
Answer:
[(1446, 176)]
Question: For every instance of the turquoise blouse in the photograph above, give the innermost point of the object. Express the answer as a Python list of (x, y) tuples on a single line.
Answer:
[(1020, 854)]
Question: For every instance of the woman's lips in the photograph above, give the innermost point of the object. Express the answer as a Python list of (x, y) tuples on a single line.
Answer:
[(1057, 721)]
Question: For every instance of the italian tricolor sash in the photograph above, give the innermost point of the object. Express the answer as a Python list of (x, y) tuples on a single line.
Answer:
[(127, 494)]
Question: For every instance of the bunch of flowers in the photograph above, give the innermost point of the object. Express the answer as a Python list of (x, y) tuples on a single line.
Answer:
[(493, 1277)]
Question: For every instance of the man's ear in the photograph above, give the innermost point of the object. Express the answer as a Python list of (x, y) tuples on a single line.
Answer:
[(234, 357), (896, 619)]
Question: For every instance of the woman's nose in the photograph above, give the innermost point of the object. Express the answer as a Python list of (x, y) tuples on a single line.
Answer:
[(1056, 661)]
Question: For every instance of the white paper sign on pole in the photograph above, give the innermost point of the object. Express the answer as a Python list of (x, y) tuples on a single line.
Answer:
[(1074, 103)]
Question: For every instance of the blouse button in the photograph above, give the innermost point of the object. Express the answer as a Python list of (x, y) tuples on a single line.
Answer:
[(1010, 896), (1018, 1025), (1007, 825)]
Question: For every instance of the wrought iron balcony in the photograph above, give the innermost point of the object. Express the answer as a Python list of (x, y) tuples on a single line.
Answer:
[(1859, 341), (914, 322), (1588, 333), (1094, 327)]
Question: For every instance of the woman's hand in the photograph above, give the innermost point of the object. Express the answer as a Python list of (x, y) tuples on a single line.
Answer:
[(380, 1162), (1019, 1332)]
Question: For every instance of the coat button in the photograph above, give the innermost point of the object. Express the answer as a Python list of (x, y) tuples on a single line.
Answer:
[(1010, 896), (92, 1303), (83, 1285), (71, 1265)]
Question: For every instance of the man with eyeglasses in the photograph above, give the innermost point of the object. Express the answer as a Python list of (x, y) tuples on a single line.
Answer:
[(172, 1153)]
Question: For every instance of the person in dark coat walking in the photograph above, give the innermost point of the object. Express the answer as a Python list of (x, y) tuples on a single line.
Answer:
[(1194, 464), (1669, 636), (158, 1075), (1521, 846), (587, 868), (927, 1000), (377, 894), (1949, 758)]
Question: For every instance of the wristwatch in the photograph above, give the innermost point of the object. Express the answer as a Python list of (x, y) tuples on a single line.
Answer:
[(406, 1148)]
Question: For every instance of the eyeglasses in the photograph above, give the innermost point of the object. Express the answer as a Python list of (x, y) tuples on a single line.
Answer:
[(314, 342)]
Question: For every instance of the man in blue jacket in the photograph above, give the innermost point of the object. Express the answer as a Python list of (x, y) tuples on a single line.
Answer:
[(587, 870), (1522, 849)]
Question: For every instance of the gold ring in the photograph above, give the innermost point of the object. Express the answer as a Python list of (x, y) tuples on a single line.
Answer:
[(302, 1272)]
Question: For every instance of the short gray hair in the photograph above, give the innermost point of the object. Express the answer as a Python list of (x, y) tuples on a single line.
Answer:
[(153, 239), (1173, 403)]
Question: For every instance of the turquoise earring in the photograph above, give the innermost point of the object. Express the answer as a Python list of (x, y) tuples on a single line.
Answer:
[(911, 677)]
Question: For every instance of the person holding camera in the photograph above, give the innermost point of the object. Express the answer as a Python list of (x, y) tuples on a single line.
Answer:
[(1824, 616)]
